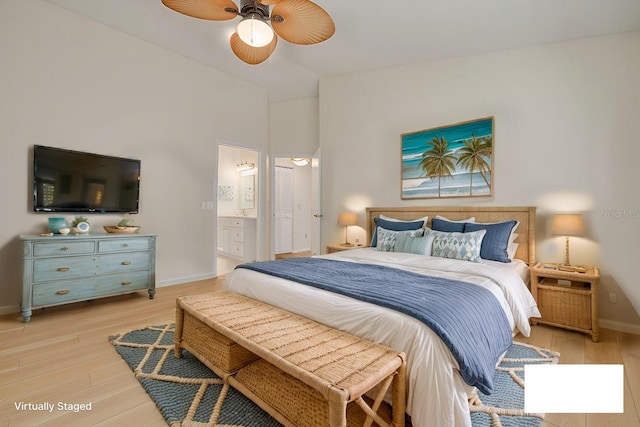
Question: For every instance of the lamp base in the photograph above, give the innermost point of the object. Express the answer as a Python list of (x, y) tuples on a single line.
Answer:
[(346, 244)]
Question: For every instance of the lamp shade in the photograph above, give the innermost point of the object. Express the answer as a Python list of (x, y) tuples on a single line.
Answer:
[(254, 31), (346, 218), (567, 225)]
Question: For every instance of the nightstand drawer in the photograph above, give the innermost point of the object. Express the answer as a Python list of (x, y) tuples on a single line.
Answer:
[(62, 248), (565, 306)]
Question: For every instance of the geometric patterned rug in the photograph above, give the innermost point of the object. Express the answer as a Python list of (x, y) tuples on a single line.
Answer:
[(187, 393), (505, 406)]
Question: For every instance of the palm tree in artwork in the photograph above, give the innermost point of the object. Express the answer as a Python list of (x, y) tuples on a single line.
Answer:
[(473, 157), (438, 162)]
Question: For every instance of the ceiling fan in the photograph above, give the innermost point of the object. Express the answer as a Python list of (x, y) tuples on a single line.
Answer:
[(297, 21)]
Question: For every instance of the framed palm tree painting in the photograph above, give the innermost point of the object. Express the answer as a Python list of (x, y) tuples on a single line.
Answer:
[(448, 161)]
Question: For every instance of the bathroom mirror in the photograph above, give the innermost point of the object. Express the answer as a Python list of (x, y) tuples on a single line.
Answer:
[(247, 192)]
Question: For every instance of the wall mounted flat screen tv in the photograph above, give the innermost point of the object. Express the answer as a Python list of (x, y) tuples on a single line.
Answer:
[(74, 181)]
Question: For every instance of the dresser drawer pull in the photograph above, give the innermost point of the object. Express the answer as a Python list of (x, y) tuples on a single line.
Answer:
[(62, 292), (63, 269), (126, 283), (126, 245), (64, 248), (126, 262)]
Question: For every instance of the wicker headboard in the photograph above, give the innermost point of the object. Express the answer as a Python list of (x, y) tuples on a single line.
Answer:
[(525, 214)]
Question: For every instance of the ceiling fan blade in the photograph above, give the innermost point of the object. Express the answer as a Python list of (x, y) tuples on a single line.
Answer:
[(304, 22), (249, 54), (212, 10), (269, 2)]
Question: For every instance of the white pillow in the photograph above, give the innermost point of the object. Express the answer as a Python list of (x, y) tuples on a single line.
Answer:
[(472, 219), (513, 247), (423, 219)]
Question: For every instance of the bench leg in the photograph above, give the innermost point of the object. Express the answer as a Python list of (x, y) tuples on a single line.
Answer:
[(399, 395), (177, 336), (337, 413)]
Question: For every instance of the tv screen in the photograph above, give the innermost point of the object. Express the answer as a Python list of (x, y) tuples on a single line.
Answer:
[(73, 181)]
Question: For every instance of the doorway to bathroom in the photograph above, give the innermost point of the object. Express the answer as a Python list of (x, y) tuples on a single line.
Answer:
[(238, 207)]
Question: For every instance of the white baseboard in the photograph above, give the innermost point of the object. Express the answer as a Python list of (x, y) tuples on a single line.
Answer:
[(181, 280), (620, 326), (298, 250), (8, 309)]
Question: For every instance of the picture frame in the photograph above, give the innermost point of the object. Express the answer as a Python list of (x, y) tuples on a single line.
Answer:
[(448, 161)]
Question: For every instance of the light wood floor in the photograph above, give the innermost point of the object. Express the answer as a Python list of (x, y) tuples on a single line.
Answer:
[(63, 355)]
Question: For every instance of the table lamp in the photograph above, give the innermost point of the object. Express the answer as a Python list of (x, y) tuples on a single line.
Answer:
[(346, 219), (567, 225)]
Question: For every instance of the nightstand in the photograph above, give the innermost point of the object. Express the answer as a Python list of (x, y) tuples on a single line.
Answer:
[(338, 247), (567, 299)]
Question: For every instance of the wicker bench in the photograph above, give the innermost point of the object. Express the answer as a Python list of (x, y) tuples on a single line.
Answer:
[(301, 372)]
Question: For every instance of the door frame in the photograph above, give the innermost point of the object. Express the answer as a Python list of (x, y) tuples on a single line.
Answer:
[(314, 229), (261, 203)]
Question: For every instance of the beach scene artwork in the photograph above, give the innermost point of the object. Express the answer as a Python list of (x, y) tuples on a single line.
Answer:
[(448, 161)]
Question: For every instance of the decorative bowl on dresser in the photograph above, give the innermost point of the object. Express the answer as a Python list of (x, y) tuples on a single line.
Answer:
[(65, 269)]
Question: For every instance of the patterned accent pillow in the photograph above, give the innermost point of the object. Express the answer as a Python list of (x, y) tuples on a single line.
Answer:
[(465, 246), (387, 238), (395, 226)]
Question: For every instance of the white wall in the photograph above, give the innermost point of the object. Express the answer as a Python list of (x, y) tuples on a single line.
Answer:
[(69, 82), (566, 139)]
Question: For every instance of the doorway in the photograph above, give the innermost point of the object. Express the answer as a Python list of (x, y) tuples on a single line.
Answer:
[(293, 207), (238, 207)]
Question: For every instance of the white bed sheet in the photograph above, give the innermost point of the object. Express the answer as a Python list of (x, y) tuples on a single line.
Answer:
[(437, 394)]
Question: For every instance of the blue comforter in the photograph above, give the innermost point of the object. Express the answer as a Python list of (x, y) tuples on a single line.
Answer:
[(467, 317)]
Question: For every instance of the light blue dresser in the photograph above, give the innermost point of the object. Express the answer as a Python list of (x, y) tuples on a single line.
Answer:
[(64, 269)]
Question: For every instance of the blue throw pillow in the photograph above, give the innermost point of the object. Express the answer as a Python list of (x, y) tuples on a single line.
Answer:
[(438, 224), (496, 241), (394, 226)]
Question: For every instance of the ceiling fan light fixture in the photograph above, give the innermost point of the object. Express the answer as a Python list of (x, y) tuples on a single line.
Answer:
[(254, 31)]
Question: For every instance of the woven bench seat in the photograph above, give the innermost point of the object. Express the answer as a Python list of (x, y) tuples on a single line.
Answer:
[(301, 372)]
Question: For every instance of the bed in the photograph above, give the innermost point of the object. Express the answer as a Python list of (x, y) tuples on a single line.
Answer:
[(437, 392)]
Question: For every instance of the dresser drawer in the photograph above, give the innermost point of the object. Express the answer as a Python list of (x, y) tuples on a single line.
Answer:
[(123, 282), (129, 261), (51, 269), (62, 248), (122, 245), (64, 291), (59, 292)]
